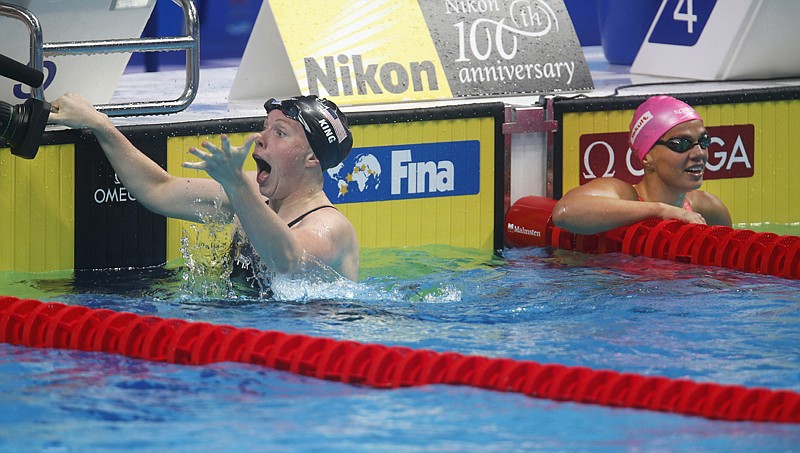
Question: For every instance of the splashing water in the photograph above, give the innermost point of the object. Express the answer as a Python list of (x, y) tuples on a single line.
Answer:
[(313, 281), (221, 264), (205, 250), (208, 266)]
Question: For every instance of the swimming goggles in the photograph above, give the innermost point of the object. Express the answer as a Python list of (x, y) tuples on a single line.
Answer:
[(681, 145), (288, 107)]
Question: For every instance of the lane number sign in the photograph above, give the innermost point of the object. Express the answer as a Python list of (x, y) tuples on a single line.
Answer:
[(681, 22)]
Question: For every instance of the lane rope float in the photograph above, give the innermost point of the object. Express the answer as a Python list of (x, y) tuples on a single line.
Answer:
[(33, 323), (529, 224)]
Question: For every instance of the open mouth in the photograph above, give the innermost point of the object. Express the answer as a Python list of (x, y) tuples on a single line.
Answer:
[(264, 169), (695, 170)]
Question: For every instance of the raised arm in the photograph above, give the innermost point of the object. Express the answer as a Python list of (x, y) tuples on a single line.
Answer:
[(165, 194), (607, 203), (327, 236), (267, 232)]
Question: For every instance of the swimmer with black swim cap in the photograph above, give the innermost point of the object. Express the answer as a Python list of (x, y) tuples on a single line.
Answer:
[(325, 126), (302, 137)]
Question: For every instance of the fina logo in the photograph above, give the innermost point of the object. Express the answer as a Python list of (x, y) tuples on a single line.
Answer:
[(420, 177), (408, 177), (422, 170), (365, 174)]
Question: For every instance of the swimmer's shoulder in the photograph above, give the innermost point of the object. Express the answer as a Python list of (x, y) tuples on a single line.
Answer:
[(609, 187), (330, 237)]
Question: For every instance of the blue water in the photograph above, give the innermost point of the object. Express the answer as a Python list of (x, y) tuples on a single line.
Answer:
[(630, 314)]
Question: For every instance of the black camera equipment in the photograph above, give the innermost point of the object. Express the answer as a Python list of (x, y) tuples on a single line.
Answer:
[(22, 125)]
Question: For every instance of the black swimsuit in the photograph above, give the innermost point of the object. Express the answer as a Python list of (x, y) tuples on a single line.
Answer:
[(244, 269), (303, 216)]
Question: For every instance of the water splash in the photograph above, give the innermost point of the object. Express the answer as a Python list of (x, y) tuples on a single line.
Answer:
[(208, 264), (313, 281), (220, 263)]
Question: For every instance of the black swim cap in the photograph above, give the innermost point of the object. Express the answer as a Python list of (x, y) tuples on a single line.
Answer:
[(325, 125)]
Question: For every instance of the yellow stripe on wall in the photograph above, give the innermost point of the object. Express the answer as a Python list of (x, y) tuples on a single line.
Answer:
[(461, 221), (37, 197), (771, 195)]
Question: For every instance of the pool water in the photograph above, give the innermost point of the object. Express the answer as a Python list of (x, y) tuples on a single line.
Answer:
[(629, 314)]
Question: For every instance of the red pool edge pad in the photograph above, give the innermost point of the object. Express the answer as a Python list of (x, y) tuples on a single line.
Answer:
[(33, 323), (529, 224)]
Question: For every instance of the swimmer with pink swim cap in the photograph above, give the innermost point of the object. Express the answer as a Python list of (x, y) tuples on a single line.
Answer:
[(654, 118), (670, 139)]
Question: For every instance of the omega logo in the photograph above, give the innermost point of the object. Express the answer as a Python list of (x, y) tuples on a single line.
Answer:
[(609, 171), (731, 155)]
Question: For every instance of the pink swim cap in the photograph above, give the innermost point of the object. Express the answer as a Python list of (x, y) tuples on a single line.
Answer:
[(654, 118)]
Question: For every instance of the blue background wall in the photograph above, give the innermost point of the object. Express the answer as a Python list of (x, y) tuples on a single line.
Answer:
[(225, 26)]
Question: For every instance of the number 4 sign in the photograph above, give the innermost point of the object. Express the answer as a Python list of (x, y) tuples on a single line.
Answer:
[(711, 40), (686, 23)]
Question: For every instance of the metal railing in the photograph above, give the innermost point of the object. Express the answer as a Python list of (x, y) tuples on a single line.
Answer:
[(189, 43)]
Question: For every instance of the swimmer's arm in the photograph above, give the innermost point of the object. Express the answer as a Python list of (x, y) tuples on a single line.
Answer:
[(160, 192), (602, 205), (711, 208), (266, 231)]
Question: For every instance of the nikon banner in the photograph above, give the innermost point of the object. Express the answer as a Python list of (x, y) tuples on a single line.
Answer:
[(380, 51)]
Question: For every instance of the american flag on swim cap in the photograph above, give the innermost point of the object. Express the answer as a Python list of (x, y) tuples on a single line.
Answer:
[(336, 123)]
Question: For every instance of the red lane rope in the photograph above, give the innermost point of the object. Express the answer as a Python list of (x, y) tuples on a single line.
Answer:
[(55, 325), (528, 223)]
